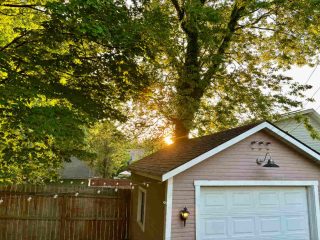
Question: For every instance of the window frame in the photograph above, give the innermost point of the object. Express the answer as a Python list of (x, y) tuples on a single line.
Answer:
[(141, 193)]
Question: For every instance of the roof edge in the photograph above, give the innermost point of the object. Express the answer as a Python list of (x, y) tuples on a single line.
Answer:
[(311, 111), (147, 175)]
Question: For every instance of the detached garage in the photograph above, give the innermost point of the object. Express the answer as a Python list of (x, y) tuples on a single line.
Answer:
[(254, 182)]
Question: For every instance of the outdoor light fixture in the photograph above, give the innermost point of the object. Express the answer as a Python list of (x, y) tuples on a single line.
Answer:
[(270, 163), (184, 214)]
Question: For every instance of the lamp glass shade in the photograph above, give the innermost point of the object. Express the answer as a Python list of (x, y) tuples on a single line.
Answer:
[(271, 164), (184, 215)]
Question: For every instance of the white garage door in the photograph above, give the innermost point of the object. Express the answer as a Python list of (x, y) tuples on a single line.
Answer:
[(259, 213)]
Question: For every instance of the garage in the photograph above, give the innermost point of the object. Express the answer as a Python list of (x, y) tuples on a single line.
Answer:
[(253, 182), (259, 213)]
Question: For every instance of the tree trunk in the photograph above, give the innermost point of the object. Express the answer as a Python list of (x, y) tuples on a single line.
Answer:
[(104, 174), (189, 87)]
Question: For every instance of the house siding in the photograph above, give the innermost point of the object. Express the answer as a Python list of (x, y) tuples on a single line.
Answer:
[(155, 210), (299, 131), (237, 163)]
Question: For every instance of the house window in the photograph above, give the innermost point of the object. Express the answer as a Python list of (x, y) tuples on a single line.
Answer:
[(141, 214)]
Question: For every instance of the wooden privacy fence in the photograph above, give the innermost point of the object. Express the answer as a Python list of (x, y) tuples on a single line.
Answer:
[(64, 213)]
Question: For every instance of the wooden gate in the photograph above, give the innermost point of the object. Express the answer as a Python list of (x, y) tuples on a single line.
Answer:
[(64, 213)]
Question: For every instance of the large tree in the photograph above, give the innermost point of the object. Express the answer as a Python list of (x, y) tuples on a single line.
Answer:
[(215, 64), (205, 62), (219, 62), (110, 149), (57, 78)]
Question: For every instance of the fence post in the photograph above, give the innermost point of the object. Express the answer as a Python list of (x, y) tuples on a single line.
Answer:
[(129, 212), (62, 218)]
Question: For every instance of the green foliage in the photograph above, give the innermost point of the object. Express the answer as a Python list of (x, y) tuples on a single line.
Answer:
[(228, 58), (36, 135), (57, 77), (82, 51), (190, 65), (110, 148), (304, 120)]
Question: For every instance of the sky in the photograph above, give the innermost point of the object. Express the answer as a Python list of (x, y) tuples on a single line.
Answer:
[(301, 75)]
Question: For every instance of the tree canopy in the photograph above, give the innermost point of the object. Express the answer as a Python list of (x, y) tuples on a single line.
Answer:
[(186, 65), (110, 148), (57, 79), (219, 62)]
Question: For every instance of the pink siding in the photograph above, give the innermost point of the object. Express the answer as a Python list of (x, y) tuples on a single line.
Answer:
[(237, 163)]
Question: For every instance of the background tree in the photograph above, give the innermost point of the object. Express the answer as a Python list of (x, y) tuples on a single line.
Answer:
[(110, 149), (57, 79)]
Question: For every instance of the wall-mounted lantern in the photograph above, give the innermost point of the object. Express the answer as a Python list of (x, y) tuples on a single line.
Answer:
[(184, 214), (270, 162)]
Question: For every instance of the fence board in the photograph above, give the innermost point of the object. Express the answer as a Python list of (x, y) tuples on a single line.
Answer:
[(78, 213)]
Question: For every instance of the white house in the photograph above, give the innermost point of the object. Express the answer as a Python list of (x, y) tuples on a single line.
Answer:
[(290, 125)]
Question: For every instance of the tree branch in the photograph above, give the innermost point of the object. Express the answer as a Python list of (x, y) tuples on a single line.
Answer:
[(265, 15), (236, 14), (179, 10), (13, 42), (263, 28), (10, 15), (30, 6)]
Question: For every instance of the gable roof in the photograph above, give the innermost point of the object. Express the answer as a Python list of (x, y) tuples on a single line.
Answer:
[(311, 112), (186, 153)]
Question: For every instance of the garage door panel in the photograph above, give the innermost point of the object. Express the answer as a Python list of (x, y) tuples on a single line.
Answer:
[(268, 199), (296, 224), (242, 227), (242, 199), (295, 199), (270, 225), (245, 213), (215, 199), (215, 228)]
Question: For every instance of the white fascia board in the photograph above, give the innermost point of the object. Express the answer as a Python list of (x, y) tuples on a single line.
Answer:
[(314, 211), (264, 125), (168, 210), (316, 116), (147, 175), (311, 112), (298, 112), (230, 183)]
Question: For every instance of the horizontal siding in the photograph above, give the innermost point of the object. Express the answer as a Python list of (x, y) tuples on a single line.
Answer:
[(237, 163), (299, 131), (154, 221)]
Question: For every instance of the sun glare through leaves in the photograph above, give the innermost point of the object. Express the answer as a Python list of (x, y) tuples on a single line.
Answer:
[(168, 140)]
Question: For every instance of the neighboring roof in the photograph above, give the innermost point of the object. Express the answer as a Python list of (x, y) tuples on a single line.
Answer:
[(184, 154), (310, 111), (76, 169)]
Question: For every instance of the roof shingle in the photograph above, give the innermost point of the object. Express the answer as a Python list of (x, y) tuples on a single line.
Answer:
[(183, 151)]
